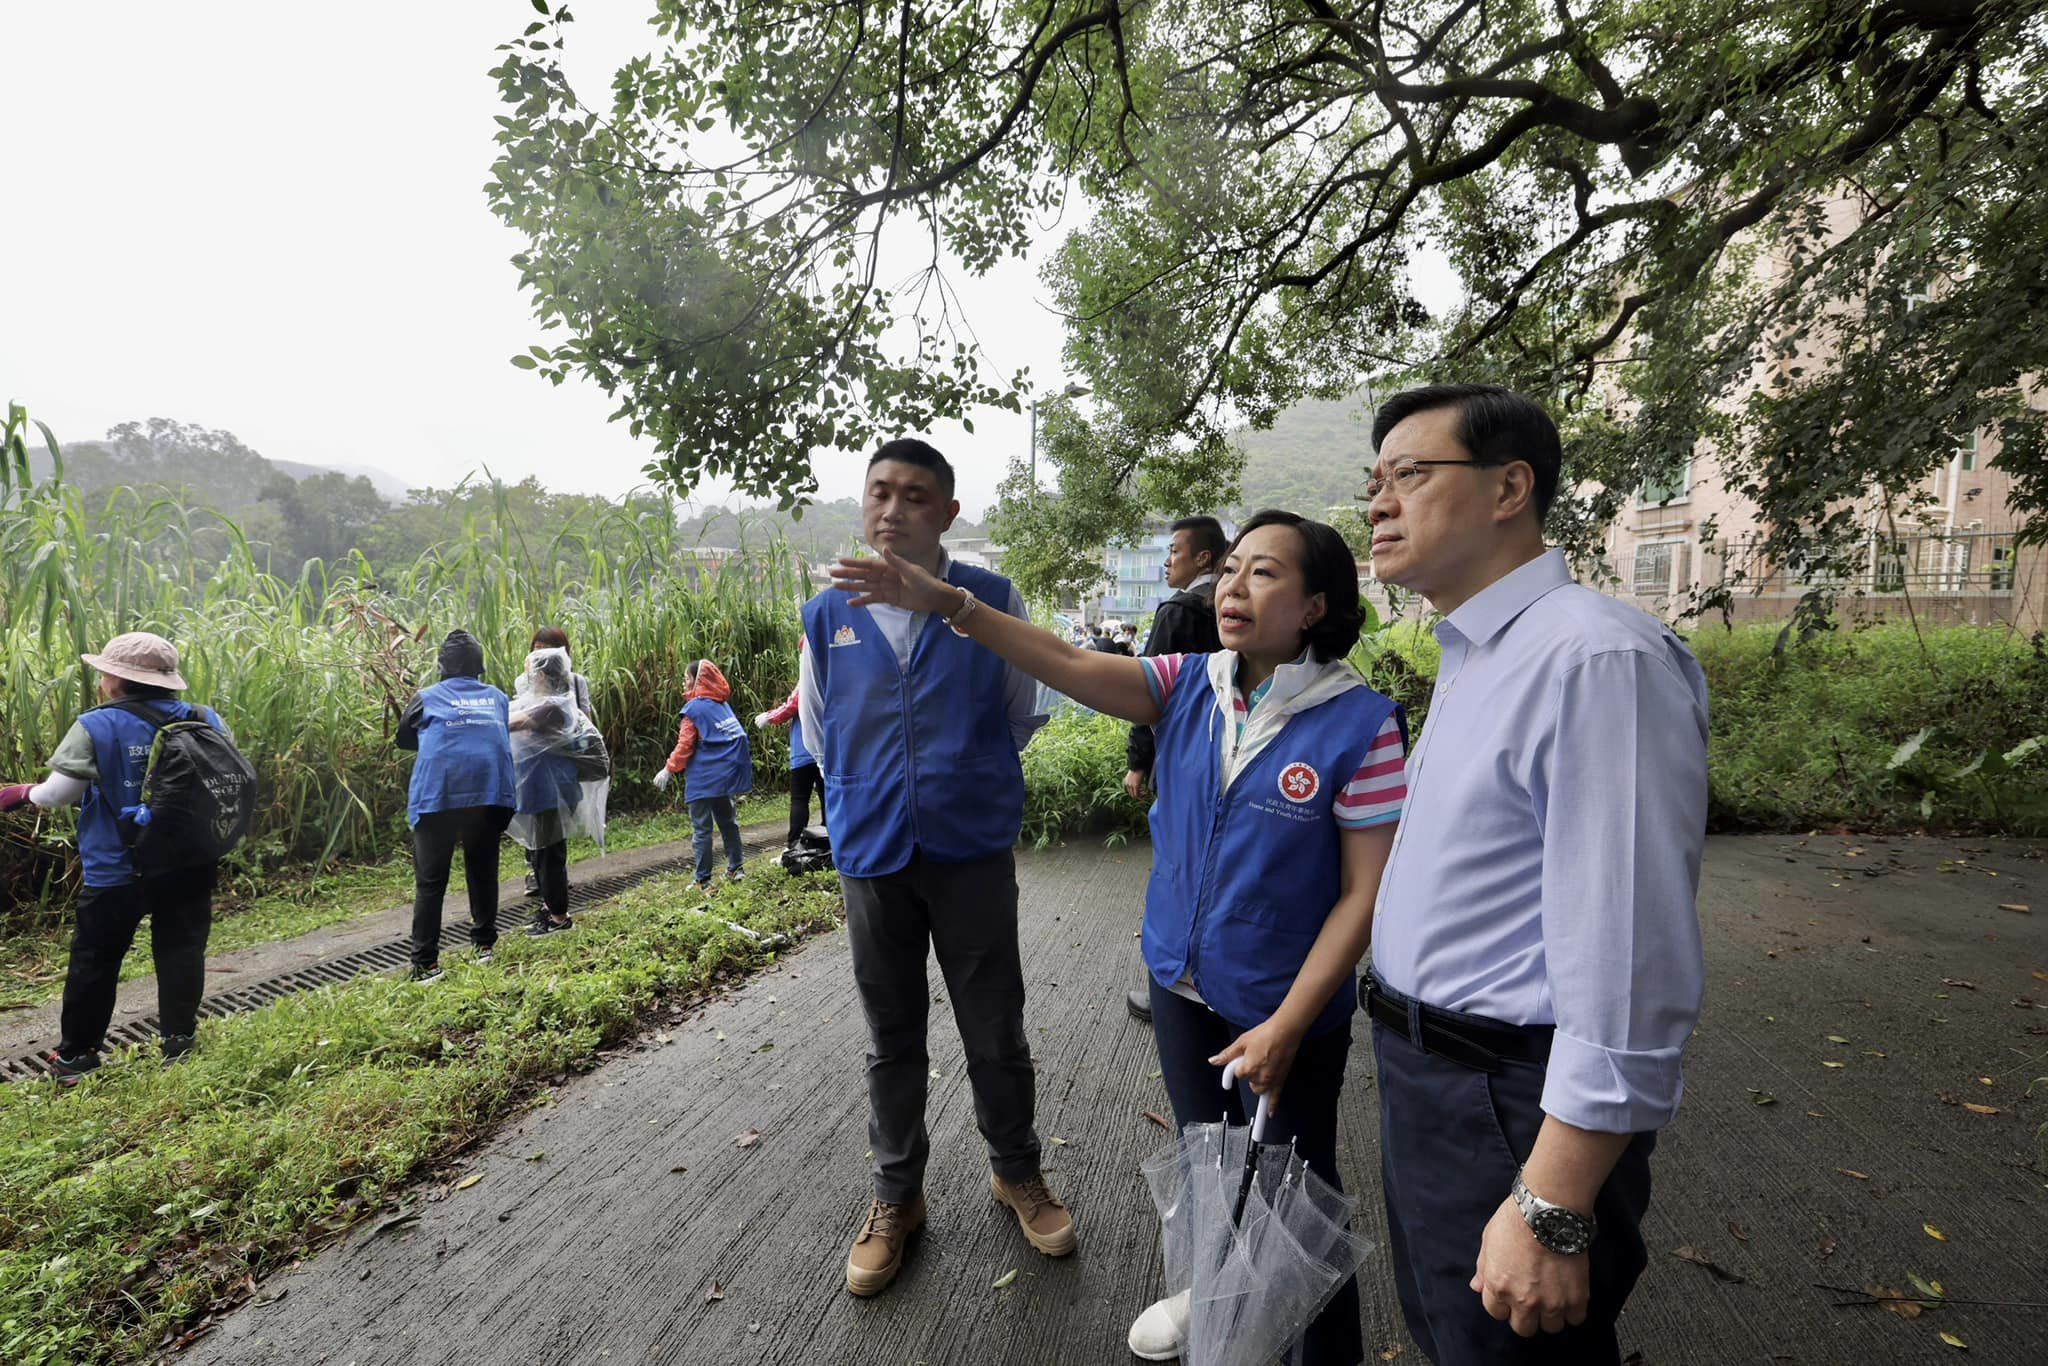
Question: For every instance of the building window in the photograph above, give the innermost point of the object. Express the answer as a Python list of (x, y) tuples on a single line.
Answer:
[(1661, 567), (1675, 488), (2001, 569), (1967, 452), (1890, 576)]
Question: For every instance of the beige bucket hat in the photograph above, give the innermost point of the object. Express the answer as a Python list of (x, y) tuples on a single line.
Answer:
[(140, 657)]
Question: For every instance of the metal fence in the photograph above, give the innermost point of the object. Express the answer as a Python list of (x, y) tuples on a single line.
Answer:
[(1981, 564)]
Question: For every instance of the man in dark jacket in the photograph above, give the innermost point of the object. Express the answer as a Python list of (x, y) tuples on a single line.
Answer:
[(1184, 624)]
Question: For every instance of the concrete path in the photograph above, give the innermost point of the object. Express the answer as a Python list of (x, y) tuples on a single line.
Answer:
[(621, 1223)]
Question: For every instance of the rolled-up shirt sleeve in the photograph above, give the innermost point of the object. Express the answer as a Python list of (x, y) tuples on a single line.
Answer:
[(1623, 807)]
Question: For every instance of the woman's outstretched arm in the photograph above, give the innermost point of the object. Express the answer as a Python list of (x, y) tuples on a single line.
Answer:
[(1108, 683)]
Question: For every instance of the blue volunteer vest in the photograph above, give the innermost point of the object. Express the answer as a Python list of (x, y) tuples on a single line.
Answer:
[(1242, 880), (121, 743), (465, 750), (723, 763), (798, 755), (916, 759)]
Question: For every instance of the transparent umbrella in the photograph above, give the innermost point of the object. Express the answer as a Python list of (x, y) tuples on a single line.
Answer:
[(1260, 1242)]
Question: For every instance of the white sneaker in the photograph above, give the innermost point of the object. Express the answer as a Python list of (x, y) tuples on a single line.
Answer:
[(1162, 1330)]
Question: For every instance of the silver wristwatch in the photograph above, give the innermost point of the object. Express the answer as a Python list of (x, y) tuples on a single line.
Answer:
[(1563, 1231)]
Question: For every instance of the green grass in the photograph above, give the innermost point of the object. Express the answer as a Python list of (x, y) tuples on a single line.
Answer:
[(300, 902), (1802, 736), (131, 1203)]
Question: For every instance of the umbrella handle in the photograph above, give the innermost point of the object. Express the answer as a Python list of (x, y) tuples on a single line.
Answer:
[(1265, 1106)]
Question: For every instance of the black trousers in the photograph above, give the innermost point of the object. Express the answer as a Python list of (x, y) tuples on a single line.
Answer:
[(551, 865), (180, 909), (476, 830), (802, 783), (1188, 1035), (966, 915), (1451, 1140)]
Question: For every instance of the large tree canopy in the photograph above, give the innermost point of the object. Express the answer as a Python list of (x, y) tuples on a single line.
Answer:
[(723, 242)]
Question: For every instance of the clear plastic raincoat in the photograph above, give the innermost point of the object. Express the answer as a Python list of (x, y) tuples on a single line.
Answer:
[(559, 761)]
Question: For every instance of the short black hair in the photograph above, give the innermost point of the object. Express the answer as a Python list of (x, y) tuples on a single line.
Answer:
[(1204, 533), (144, 692), (1327, 567), (923, 454), (1496, 426)]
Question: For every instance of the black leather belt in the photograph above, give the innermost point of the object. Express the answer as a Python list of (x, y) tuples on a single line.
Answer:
[(1468, 1040)]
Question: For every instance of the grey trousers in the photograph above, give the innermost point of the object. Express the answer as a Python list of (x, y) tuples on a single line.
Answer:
[(967, 914)]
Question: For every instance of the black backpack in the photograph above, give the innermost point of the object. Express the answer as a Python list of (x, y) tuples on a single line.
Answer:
[(200, 791)]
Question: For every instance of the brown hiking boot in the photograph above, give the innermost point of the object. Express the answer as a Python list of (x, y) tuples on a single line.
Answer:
[(878, 1253), (1045, 1221)]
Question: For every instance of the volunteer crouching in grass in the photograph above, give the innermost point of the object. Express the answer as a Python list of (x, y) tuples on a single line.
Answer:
[(101, 761), (462, 793), (1279, 779)]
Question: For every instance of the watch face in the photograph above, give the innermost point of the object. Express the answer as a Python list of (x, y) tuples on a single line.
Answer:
[(1561, 1231)]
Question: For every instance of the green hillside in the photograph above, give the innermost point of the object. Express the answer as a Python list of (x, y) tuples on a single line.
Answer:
[(1311, 460)]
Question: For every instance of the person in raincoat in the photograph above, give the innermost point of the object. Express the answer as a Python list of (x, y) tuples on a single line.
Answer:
[(462, 794), (712, 749), (1279, 786), (555, 638), (563, 776)]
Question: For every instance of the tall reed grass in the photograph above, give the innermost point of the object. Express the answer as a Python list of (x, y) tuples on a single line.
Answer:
[(311, 672)]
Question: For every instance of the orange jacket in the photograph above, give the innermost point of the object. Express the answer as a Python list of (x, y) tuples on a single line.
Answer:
[(711, 684)]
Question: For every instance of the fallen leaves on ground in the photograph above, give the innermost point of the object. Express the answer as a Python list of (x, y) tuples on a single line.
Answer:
[(1757, 1097), (2017, 907), (1735, 1231), (1936, 1234), (716, 1292), (1952, 1340), (1958, 982), (1158, 1119), (1688, 1253), (1008, 1278), (746, 1138), (1893, 1301), (1860, 1176), (1980, 1109), (466, 1182)]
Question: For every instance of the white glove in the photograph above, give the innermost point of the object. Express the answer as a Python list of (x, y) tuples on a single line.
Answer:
[(661, 780), (762, 720)]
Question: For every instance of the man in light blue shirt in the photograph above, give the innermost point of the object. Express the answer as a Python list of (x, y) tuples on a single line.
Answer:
[(1536, 965)]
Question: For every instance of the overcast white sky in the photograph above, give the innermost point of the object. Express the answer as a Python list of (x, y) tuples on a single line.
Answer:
[(270, 219)]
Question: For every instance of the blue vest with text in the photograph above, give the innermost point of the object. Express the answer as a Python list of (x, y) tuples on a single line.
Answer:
[(723, 763), (465, 750), (121, 742), (1243, 879), (917, 759)]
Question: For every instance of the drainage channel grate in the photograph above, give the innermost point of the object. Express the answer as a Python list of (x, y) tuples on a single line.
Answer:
[(333, 971)]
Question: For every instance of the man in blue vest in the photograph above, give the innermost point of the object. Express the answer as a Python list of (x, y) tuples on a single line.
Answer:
[(101, 762), (917, 731)]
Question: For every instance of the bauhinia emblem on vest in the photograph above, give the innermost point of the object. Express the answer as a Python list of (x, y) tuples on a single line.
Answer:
[(1299, 782), (844, 636)]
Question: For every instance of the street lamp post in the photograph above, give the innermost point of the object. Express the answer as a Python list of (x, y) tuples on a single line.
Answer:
[(1071, 391)]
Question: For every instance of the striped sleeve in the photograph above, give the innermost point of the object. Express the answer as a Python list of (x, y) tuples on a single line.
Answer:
[(1161, 673), (1375, 793)]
